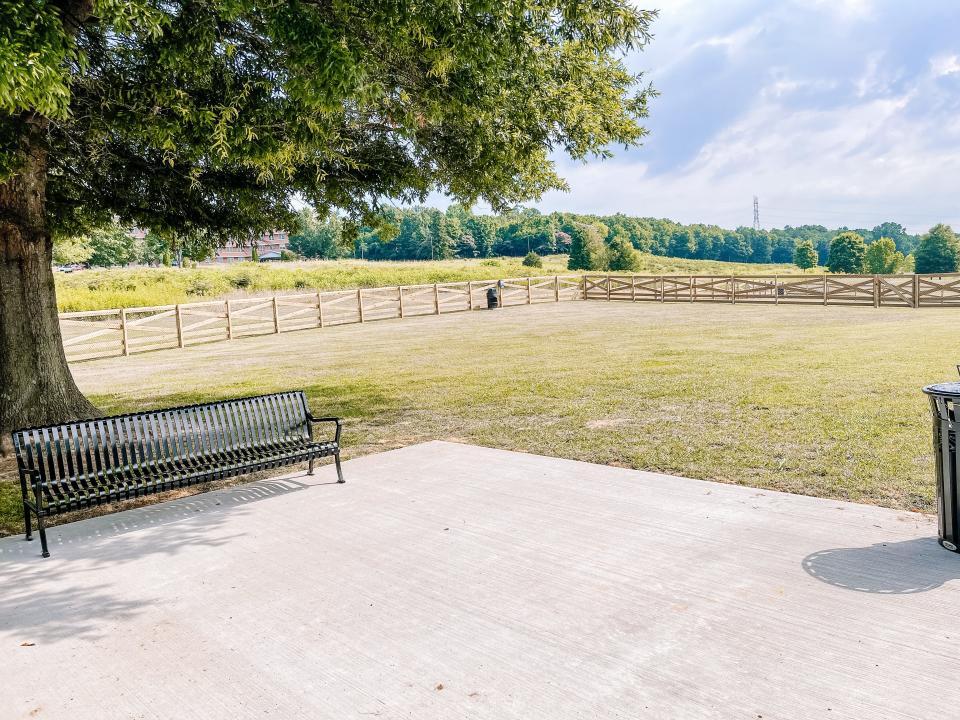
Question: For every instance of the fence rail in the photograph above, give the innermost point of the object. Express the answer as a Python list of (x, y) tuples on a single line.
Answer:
[(108, 333)]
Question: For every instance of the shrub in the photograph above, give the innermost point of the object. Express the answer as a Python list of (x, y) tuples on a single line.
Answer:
[(531, 259), (242, 280), (288, 255), (491, 263), (199, 286)]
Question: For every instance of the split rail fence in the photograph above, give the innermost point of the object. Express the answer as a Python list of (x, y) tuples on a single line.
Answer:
[(109, 333), (863, 290)]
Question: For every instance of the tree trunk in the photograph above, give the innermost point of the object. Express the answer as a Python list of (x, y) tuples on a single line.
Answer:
[(36, 386)]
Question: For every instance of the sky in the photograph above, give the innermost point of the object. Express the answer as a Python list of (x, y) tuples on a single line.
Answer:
[(834, 112)]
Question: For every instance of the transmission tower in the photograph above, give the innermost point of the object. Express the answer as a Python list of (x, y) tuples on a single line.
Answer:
[(756, 213)]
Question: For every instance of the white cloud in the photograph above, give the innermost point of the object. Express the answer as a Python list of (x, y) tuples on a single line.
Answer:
[(839, 112), (944, 65), (856, 165)]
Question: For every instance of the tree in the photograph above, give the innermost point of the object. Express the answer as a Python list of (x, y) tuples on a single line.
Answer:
[(155, 249), (213, 115), (937, 251), (587, 250), (112, 245), (847, 253), (318, 238), (682, 243), (255, 251), (805, 256), (883, 258), (623, 257), (72, 250)]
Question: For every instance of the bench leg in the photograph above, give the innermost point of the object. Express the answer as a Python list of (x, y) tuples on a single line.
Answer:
[(26, 522), (43, 537), (310, 467), (336, 459)]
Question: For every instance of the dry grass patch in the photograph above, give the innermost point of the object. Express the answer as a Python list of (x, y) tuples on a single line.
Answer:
[(818, 400)]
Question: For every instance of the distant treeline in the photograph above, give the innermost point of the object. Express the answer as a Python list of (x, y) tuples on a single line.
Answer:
[(426, 233)]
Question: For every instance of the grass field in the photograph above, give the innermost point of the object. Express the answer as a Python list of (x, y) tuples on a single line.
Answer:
[(818, 400), (137, 287)]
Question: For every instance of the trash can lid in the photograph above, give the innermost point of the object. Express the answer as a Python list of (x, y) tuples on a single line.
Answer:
[(950, 389)]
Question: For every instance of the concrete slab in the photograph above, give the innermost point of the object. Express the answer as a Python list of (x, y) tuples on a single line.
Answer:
[(451, 581)]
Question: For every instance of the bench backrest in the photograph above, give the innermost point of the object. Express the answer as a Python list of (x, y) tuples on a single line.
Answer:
[(94, 448)]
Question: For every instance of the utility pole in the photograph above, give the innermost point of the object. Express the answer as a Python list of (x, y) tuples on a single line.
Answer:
[(756, 213)]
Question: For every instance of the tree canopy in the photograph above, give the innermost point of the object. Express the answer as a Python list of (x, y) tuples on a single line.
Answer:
[(209, 115), (847, 253), (883, 258), (805, 256), (938, 251)]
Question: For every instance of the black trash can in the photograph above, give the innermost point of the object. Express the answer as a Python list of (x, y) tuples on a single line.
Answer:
[(944, 404), (493, 299)]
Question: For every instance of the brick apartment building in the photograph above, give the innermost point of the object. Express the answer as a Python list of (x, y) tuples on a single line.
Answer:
[(269, 246)]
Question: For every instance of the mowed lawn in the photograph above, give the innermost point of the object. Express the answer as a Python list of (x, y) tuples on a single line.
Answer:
[(818, 400)]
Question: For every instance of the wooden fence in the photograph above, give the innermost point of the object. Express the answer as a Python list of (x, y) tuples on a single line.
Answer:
[(865, 290), (108, 333)]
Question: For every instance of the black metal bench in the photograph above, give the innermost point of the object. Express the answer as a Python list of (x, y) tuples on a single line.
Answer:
[(91, 462)]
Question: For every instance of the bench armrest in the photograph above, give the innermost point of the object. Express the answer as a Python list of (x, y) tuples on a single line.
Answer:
[(31, 478), (336, 420)]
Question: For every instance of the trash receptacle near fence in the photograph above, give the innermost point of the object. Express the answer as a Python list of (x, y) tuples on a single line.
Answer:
[(493, 298), (945, 406)]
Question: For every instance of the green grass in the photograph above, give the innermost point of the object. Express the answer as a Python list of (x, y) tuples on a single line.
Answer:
[(138, 287), (817, 400)]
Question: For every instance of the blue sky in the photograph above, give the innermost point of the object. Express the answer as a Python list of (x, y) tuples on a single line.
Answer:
[(839, 112)]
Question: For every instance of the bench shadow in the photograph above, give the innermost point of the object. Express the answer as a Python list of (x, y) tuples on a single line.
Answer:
[(45, 600), (893, 568)]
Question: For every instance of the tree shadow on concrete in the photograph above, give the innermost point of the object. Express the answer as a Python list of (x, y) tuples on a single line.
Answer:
[(894, 568), (71, 594)]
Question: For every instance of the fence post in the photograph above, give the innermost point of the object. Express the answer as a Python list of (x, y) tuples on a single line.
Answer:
[(916, 290), (179, 317), (400, 298), (360, 303), (584, 286), (123, 332), (633, 288), (499, 294), (469, 294), (662, 290), (436, 299), (824, 288), (556, 288), (876, 291), (528, 291), (229, 321), (320, 307), (776, 289), (608, 288), (690, 289), (733, 290), (276, 316)]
